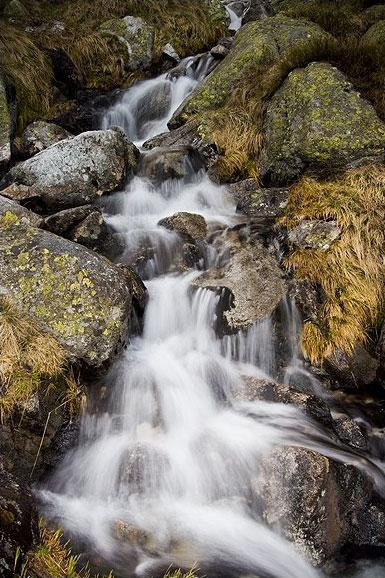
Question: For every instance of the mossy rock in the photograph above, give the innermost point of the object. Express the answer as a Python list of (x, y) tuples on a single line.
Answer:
[(317, 123), (374, 39), (82, 299), (5, 126), (257, 44), (136, 38)]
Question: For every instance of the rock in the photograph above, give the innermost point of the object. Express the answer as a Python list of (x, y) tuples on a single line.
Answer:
[(353, 371), (373, 40), (271, 391), (374, 13), (18, 522), (258, 9), (136, 37), (94, 233), (257, 43), (316, 122), (299, 494), (349, 432), (178, 162), (25, 216), (252, 281), (169, 53), (15, 10), (314, 235), (80, 298), (63, 222), (254, 201), (75, 171), (219, 51), (190, 226), (40, 135), (307, 297), (5, 126)]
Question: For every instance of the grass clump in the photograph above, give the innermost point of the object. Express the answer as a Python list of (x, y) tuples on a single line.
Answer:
[(30, 361), (352, 273), (53, 558), (28, 71)]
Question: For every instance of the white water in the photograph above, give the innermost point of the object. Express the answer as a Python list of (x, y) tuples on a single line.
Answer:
[(165, 473), (235, 19)]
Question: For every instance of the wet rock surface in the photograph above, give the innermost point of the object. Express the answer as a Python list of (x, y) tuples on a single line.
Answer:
[(163, 163), (75, 171), (253, 280), (191, 227)]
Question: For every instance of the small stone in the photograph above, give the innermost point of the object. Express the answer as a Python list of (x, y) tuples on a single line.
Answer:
[(190, 226)]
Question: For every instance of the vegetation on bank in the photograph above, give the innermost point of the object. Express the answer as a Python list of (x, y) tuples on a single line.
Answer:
[(71, 29), (352, 272)]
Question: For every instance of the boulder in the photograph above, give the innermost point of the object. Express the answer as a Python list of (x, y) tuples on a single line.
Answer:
[(177, 162), (316, 122), (254, 201), (359, 369), (373, 40), (74, 171), (94, 233), (82, 299), (314, 235), (5, 126), (135, 36), (63, 222), (190, 226), (299, 494), (25, 216), (258, 9), (18, 522), (40, 135), (252, 282), (259, 43)]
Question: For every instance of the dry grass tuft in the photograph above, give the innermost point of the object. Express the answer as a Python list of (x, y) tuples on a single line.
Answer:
[(180, 574), (28, 70), (27, 357), (352, 272)]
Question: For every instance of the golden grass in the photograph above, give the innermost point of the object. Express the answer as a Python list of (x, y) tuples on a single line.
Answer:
[(27, 356), (352, 273), (28, 70), (180, 574)]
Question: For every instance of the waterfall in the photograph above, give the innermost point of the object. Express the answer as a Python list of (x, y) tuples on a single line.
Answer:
[(165, 469)]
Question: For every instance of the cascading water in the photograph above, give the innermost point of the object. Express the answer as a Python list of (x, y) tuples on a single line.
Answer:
[(165, 473)]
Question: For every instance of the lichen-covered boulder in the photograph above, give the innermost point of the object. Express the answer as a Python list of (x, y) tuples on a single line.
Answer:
[(315, 122), (251, 284), (74, 171), (25, 215), (40, 135), (5, 126), (314, 234), (258, 43), (136, 38), (257, 202), (190, 226), (18, 523), (82, 299)]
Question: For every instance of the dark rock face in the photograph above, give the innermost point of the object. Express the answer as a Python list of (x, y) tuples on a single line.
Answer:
[(18, 521), (63, 222), (79, 297), (178, 162), (190, 226), (356, 370), (74, 171), (258, 9), (316, 122)]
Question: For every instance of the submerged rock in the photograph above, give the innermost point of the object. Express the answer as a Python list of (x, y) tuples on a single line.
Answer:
[(314, 235), (190, 226), (74, 171), (69, 291), (136, 38), (18, 522), (316, 122), (252, 280), (40, 135), (5, 126)]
